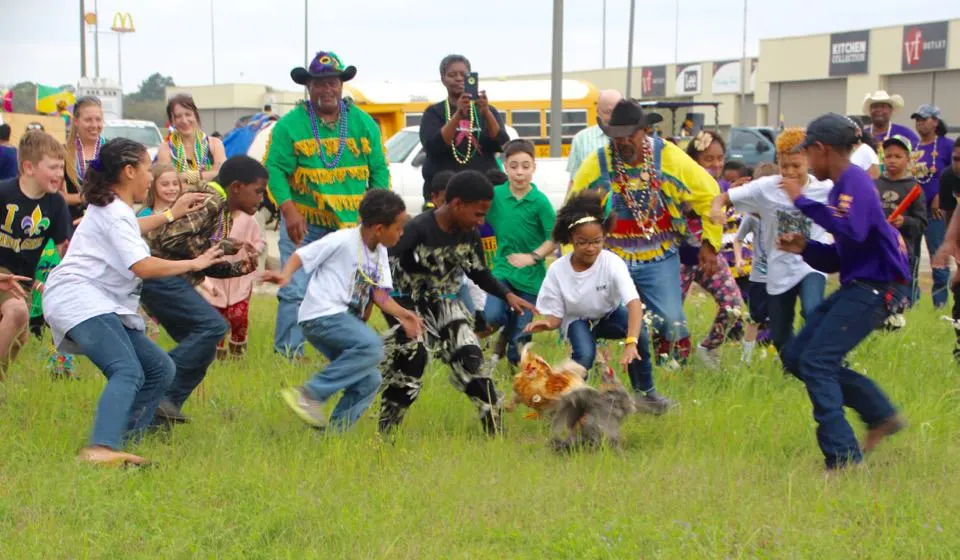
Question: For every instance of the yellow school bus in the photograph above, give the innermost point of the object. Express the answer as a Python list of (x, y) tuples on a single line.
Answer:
[(523, 105)]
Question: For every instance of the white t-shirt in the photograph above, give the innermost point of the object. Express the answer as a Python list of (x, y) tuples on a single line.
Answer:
[(778, 215), (749, 232), (864, 157), (591, 294), (336, 285), (94, 277)]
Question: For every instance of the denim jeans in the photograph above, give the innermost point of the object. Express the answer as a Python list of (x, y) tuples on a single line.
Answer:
[(936, 231), (498, 314), (782, 308), (138, 373), (464, 295), (287, 337), (816, 357), (355, 352), (192, 322), (659, 286), (583, 336)]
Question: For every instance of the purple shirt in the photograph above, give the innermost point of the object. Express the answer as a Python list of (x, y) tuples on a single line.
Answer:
[(8, 162), (893, 130), (865, 246), (926, 170)]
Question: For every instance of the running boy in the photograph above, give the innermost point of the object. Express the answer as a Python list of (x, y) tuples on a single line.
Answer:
[(346, 270), (522, 219), (872, 260), (33, 213), (439, 246)]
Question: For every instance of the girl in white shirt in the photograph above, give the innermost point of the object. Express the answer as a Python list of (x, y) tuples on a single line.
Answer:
[(91, 298), (589, 295)]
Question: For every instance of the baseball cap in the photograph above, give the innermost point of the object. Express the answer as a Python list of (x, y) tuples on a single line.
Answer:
[(832, 129), (899, 140), (926, 112)]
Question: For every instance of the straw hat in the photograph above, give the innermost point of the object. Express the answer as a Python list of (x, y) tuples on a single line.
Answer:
[(881, 96)]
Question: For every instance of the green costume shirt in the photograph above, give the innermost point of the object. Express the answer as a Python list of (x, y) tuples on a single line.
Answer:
[(327, 197), (521, 225)]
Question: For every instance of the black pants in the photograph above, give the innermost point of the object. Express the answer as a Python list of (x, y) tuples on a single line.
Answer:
[(449, 334)]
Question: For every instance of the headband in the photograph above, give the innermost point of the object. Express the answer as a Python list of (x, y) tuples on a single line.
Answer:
[(583, 220)]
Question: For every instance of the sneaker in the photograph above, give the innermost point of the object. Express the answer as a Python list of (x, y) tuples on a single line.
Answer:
[(653, 403), (882, 431), (168, 413), (710, 358), (307, 409)]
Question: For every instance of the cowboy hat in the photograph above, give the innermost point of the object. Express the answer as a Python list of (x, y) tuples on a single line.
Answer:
[(881, 96), (324, 65), (627, 118)]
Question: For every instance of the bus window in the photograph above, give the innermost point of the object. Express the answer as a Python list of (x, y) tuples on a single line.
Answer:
[(526, 123), (413, 119), (574, 120)]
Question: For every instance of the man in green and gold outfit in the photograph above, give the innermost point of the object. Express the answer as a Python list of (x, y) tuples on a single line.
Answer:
[(322, 157)]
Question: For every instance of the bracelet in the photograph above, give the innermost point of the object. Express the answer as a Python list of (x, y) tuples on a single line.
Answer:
[(536, 257), (168, 214), (630, 340)]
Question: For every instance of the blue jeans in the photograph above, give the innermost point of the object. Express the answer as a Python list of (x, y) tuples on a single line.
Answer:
[(287, 337), (192, 322), (816, 357), (138, 373), (659, 286), (583, 336), (498, 314), (355, 352), (782, 308), (936, 231), (464, 295)]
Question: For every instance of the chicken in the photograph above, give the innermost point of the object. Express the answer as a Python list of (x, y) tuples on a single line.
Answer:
[(539, 386)]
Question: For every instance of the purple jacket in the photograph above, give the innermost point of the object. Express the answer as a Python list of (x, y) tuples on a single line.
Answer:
[(865, 246)]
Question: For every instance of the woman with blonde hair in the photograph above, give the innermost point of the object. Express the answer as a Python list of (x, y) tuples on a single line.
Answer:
[(196, 156), (84, 141)]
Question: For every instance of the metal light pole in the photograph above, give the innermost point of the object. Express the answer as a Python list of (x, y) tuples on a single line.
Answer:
[(604, 58), (96, 40), (213, 49), (556, 83), (83, 41), (744, 73), (633, 9), (306, 40), (676, 35)]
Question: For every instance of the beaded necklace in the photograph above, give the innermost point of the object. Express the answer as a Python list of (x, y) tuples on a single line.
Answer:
[(81, 157), (201, 149), (315, 126), (474, 145), (224, 224), (932, 170), (647, 193), (365, 263)]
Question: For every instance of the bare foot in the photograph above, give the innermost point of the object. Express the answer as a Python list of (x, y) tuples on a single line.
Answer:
[(99, 455), (882, 431)]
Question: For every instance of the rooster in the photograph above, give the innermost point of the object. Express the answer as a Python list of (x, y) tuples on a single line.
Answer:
[(582, 415)]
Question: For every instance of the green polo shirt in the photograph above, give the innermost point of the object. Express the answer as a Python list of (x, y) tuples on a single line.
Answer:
[(521, 225)]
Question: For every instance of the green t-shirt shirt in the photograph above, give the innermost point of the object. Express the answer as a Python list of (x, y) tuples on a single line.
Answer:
[(521, 225), (325, 196)]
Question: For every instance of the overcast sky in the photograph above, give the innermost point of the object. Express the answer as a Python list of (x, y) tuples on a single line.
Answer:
[(259, 41)]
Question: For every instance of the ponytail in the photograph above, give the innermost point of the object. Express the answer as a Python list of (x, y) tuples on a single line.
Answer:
[(103, 174)]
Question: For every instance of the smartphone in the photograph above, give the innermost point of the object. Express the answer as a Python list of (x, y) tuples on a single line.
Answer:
[(472, 86)]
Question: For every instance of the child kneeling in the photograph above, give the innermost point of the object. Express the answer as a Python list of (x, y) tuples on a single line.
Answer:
[(347, 269)]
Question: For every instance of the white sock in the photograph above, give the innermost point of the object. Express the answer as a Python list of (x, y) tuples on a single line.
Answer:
[(748, 346)]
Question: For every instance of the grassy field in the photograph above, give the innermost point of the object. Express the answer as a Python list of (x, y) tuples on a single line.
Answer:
[(733, 472)]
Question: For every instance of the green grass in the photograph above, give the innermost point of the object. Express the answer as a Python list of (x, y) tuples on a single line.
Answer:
[(734, 472)]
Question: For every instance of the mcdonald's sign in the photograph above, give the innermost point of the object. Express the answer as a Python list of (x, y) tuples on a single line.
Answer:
[(122, 23)]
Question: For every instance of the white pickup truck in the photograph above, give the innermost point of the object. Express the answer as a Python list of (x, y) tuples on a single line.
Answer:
[(405, 155)]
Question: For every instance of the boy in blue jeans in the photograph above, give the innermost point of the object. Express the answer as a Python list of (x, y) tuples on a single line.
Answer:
[(347, 270), (872, 260)]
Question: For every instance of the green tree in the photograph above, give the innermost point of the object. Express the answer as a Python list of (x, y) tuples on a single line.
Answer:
[(154, 88), (25, 98)]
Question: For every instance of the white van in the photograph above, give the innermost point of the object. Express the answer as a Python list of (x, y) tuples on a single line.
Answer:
[(406, 156), (145, 132)]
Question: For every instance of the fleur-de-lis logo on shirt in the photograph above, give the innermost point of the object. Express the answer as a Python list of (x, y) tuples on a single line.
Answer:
[(35, 223)]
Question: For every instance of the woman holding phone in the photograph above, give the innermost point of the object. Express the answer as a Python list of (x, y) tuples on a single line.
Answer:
[(463, 131)]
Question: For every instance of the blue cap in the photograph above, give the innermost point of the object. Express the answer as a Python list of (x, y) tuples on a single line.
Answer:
[(926, 112), (832, 129)]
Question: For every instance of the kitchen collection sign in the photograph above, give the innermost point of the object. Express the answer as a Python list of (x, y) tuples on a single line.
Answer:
[(924, 46), (849, 53)]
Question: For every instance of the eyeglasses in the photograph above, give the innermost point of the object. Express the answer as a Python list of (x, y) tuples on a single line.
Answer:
[(581, 243)]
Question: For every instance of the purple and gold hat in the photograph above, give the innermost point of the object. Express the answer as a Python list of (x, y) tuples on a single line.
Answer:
[(324, 65)]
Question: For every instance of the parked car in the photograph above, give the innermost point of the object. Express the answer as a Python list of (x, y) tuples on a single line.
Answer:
[(406, 156), (752, 145), (145, 132)]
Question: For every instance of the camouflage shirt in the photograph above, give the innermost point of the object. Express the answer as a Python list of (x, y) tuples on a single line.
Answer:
[(192, 235)]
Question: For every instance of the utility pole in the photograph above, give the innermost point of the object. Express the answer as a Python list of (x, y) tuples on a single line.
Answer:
[(633, 8), (744, 71), (604, 57), (556, 83), (213, 49), (83, 41), (96, 39), (306, 35)]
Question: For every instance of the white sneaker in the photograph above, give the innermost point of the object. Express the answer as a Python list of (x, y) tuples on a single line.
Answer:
[(709, 357)]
